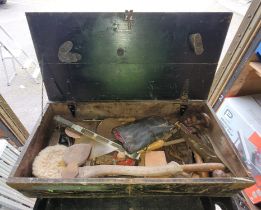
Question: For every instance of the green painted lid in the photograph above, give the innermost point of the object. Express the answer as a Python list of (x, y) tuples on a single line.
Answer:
[(127, 56)]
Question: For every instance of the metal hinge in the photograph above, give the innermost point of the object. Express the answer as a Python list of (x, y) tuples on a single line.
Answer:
[(128, 16), (72, 108), (184, 97)]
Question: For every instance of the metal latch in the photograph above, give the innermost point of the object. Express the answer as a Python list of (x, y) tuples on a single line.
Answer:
[(128, 16), (72, 108)]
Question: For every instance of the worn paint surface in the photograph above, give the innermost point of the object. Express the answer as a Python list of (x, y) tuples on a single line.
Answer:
[(139, 187), (100, 56)]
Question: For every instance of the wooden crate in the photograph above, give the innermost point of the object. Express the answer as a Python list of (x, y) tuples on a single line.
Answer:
[(100, 65)]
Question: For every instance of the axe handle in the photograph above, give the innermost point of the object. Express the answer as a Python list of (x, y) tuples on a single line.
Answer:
[(170, 169), (105, 170)]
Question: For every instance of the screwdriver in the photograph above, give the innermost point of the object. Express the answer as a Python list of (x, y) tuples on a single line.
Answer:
[(161, 143)]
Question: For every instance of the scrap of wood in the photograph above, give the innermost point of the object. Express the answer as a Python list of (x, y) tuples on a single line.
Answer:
[(257, 67), (8, 117), (155, 158), (248, 82)]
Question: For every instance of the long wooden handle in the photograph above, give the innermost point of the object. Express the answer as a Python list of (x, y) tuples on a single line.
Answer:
[(171, 168), (198, 159), (105, 170), (200, 167)]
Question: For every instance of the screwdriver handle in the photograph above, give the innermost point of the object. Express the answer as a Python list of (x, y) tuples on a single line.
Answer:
[(153, 146)]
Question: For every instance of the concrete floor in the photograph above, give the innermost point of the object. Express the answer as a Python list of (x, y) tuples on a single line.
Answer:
[(24, 95)]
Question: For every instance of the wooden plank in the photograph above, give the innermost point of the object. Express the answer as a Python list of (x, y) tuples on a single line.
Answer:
[(12, 122), (35, 143), (257, 67), (122, 187), (248, 82)]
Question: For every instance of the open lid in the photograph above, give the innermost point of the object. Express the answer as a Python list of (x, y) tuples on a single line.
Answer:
[(127, 56)]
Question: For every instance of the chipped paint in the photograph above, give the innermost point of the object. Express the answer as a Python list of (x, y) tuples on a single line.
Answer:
[(65, 55)]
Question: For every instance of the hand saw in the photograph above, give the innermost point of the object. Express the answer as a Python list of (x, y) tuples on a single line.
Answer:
[(94, 136)]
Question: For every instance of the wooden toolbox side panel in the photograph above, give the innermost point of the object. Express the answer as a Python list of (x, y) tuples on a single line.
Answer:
[(122, 187), (223, 147), (35, 143)]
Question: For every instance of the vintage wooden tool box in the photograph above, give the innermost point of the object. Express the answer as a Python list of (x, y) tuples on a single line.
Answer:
[(124, 65)]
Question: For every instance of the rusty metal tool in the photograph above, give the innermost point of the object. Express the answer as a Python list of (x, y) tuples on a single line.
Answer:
[(205, 151), (171, 168), (198, 120)]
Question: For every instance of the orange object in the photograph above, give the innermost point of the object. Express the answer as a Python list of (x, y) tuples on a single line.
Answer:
[(253, 192), (255, 139), (127, 162)]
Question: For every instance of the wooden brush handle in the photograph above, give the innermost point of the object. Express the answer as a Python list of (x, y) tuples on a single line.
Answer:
[(200, 167), (170, 169)]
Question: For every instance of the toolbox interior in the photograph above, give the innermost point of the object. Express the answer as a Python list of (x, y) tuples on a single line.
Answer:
[(21, 177), (103, 110)]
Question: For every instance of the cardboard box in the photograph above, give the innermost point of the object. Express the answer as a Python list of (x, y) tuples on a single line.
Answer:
[(241, 118)]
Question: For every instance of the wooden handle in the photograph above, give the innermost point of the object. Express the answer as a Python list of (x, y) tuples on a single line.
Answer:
[(198, 159), (155, 145), (172, 142), (154, 171), (161, 143), (171, 168), (200, 167)]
